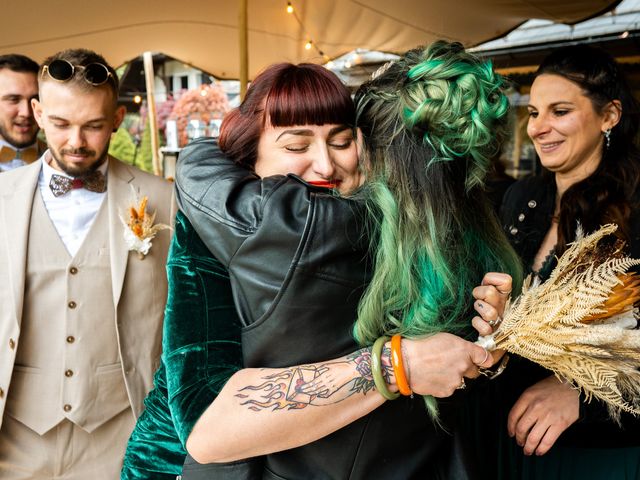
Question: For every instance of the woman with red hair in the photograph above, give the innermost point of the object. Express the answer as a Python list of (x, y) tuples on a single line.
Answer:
[(299, 264)]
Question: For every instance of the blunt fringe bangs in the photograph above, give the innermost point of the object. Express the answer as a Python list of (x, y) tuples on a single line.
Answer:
[(284, 94), (308, 94)]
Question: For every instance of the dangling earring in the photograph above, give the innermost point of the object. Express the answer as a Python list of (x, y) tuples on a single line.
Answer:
[(607, 137)]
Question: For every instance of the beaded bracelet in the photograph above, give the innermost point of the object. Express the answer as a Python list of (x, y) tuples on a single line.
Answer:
[(376, 369), (398, 366)]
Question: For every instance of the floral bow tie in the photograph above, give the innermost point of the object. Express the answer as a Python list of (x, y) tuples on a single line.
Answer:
[(29, 155), (94, 182)]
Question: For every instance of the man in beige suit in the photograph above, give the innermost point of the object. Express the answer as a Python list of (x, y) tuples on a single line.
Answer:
[(81, 307)]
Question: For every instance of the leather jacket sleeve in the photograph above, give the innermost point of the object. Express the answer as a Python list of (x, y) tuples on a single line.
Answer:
[(226, 203), (263, 230)]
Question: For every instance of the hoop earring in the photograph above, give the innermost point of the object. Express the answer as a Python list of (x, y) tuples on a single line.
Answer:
[(607, 137)]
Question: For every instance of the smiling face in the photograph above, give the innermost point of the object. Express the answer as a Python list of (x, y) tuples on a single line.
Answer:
[(78, 124), (319, 154), (17, 125), (565, 128)]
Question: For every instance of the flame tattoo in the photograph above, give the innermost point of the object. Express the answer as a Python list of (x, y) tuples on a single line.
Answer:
[(316, 384), (274, 393)]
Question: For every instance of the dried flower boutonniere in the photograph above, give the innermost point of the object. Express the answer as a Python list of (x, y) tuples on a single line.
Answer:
[(139, 228)]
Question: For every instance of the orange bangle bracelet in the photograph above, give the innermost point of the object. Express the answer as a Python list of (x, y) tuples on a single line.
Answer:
[(398, 366)]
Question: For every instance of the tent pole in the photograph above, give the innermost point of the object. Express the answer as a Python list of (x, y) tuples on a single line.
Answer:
[(244, 47), (153, 120)]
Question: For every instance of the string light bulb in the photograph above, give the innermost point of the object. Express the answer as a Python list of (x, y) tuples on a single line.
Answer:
[(309, 43), (137, 99)]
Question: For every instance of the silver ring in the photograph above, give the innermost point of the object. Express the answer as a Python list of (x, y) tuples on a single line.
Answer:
[(503, 293), (493, 323), (462, 385)]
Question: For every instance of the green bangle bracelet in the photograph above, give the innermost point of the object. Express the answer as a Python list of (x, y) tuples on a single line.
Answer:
[(376, 369)]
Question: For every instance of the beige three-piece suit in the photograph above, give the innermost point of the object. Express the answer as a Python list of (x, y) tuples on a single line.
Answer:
[(80, 335)]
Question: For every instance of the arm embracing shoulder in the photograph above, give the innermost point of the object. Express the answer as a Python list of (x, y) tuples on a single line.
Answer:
[(222, 200)]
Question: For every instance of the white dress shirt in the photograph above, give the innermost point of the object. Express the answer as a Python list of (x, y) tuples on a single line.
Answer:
[(16, 162), (72, 213)]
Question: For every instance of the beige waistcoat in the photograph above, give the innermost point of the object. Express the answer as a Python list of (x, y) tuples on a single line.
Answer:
[(67, 364)]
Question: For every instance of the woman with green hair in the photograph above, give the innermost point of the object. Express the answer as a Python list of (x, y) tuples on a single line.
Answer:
[(429, 125)]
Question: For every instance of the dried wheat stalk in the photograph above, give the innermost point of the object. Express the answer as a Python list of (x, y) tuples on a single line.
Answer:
[(581, 323)]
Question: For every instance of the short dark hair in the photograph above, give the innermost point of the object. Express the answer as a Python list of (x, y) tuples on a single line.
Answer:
[(18, 63), (284, 94), (82, 57)]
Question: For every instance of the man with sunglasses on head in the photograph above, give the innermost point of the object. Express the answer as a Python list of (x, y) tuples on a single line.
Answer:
[(82, 309), (18, 128)]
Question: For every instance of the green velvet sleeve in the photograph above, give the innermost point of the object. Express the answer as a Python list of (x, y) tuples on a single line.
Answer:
[(202, 331), (154, 450), (200, 350)]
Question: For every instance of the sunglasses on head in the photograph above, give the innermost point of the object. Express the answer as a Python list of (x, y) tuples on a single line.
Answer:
[(95, 74)]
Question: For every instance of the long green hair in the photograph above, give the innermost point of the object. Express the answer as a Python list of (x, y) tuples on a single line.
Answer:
[(430, 123)]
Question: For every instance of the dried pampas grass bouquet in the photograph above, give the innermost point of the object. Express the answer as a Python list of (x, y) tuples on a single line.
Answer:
[(582, 322)]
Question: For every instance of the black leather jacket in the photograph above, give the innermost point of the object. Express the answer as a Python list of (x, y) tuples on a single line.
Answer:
[(297, 259)]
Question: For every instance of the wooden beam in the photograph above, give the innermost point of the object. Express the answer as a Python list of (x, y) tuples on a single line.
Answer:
[(244, 47), (153, 119)]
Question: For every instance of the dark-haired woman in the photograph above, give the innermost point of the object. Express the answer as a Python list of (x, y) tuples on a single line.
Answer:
[(583, 123), (202, 330)]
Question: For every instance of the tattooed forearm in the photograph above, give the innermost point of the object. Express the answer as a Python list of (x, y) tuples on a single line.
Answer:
[(362, 358), (315, 384)]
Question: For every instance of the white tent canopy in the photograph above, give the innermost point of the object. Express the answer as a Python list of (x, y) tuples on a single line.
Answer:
[(204, 33)]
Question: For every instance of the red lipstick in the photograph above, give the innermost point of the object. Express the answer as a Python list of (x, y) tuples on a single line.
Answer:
[(323, 184)]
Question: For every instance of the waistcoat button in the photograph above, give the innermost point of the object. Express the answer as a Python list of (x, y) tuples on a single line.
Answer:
[(532, 204), (73, 270), (67, 408), (70, 339), (72, 304), (12, 344), (68, 373)]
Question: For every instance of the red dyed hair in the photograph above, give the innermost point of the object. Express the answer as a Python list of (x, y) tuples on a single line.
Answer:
[(284, 95)]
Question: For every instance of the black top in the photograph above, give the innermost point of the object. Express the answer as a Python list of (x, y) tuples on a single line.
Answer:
[(297, 258), (525, 215)]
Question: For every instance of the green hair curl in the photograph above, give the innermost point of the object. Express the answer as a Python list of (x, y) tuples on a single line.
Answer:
[(454, 101)]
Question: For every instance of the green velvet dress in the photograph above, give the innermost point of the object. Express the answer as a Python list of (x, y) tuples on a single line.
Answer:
[(192, 372)]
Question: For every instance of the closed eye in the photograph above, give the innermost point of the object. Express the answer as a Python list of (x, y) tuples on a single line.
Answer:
[(341, 145), (296, 148)]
